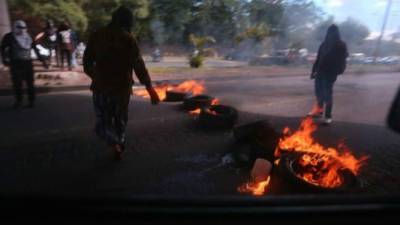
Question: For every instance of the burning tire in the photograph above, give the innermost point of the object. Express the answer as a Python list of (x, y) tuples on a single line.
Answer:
[(196, 102), (218, 117), (260, 136), (292, 173), (176, 96)]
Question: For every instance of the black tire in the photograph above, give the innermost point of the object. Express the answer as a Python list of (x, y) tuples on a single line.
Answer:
[(176, 96), (297, 185), (196, 102), (261, 136), (251, 131), (218, 117)]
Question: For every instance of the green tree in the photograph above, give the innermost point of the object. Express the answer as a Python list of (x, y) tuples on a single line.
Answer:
[(267, 13), (214, 18), (199, 43), (171, 17), (99, 14), (256, 33), (57, 10), (300, 18)]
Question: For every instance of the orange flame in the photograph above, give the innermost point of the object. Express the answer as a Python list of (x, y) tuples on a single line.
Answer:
[(196, 87), (254, 188), (215, 101), (323, 163), (212, 112), (198, 111), (195, 112), (160, 89), (316, 110), (193, 86)]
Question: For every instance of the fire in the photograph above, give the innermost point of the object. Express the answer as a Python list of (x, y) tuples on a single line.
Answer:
[(160, 89), (212, 112), (321, 164), (255, 188), (192, 86), (195, 112), (316, 110), (215, 101)]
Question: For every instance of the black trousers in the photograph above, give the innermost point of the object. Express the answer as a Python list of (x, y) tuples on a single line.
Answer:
[(65, 53), (56, 54), (324, 93), (22, 71)]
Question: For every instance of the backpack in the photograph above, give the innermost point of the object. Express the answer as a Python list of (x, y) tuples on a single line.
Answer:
[(66, 39), (343, 63)]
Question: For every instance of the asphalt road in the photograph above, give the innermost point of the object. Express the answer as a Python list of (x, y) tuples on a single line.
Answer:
[(51, 149)]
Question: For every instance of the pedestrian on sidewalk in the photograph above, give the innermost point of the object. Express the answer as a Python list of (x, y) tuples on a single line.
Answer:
[(66, 41), (109, 58), (16, 49), (48, 38), (75, 41), (330, 62)]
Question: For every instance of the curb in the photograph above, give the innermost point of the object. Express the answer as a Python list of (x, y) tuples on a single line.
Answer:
[(43, 90)]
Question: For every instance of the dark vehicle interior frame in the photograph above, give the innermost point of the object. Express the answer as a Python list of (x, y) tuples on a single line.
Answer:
[(308, 209)]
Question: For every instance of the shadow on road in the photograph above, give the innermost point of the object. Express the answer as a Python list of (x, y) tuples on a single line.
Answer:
[(51, 150)]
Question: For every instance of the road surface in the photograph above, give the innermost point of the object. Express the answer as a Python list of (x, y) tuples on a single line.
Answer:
[(51, 149)]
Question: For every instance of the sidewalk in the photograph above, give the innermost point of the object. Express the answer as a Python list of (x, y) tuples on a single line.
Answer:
[(48, 80), (176, 69), (55, 80)]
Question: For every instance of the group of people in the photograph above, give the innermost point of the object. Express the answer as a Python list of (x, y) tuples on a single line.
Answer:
[(62, 41), (112, 54), (16, 47)]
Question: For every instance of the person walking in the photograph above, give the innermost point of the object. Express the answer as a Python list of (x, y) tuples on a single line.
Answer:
[(330, 62), (66, 44), (109, 58), (16, 49), (49, 40), (75, 42)]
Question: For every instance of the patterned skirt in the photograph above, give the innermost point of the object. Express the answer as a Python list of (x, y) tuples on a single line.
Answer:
[(111, 117)]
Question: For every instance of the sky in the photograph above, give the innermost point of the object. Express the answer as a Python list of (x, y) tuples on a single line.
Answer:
[(368, 12)]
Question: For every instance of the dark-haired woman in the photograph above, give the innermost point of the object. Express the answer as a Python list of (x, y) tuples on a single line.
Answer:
[(330, 62)]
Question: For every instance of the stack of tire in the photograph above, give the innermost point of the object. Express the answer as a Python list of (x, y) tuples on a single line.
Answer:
[(211, 116)]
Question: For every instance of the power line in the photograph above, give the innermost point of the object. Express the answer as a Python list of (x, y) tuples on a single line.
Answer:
[(385, 19)]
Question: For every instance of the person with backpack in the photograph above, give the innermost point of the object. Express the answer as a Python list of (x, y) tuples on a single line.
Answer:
[(330, 62), (111, 55), (16, 49), (66, 44)]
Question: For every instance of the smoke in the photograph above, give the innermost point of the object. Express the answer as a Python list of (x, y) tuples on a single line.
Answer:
[(250, 48), (157, 28)]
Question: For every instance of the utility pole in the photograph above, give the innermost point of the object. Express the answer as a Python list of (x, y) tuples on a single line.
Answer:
[(385, 18)]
